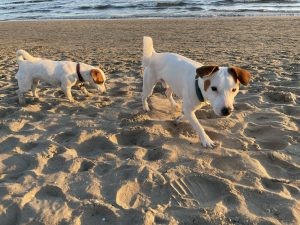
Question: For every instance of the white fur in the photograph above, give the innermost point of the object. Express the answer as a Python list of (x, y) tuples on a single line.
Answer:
[(57, 73), (178, 72)]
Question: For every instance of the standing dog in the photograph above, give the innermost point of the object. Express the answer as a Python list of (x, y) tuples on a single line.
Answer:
[(58, 73), (193, 82)]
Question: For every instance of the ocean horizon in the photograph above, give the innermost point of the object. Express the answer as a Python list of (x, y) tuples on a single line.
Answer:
[(120, 9)]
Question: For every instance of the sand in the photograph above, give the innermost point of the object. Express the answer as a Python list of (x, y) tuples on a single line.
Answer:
[(103, 160)]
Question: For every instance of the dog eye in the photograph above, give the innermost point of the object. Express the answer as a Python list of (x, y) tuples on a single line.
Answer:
[(233, 89), (214, 88)]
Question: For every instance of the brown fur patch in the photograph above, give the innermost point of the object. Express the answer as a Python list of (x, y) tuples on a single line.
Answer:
[(97, 76), (240, 75), (206, 71), (206, 84)]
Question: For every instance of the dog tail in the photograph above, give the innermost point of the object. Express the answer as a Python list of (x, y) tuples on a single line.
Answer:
[(148, 51), (23, 55)]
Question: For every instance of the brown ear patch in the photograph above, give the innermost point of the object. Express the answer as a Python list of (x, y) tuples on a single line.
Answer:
[(97, 76), (239, 74), (206, 84), (206, 71)]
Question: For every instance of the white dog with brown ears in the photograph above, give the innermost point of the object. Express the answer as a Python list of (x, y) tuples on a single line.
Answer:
[(57, 73), (193, 82)]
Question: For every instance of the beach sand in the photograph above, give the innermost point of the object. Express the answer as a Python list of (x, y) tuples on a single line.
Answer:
[(103, 160)]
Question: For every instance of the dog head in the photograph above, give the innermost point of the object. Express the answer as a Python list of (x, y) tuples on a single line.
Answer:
[(221, 85), (98, 79)]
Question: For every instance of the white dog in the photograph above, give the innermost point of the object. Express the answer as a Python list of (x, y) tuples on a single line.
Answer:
[(193, 82), (58, 73)]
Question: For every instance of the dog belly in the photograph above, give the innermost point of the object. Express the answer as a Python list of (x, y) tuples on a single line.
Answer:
[(52, 80)]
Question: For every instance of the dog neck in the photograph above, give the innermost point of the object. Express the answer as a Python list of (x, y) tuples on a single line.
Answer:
[(78, 73), (198, 91)]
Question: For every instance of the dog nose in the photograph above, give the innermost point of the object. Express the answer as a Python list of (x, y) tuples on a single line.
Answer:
[(226, 111)]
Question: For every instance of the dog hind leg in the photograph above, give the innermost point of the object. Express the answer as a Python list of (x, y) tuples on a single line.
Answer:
[(34, 88), (169, 93), (149, 82), (24, 86)]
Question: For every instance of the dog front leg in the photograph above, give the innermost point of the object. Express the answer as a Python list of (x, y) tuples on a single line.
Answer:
[(67, 91), (85, 91), (21, 97), (205, 140)]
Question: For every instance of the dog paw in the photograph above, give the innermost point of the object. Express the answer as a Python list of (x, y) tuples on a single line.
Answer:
[(207, 142), (72, 100), (22, 102), (146, 108)]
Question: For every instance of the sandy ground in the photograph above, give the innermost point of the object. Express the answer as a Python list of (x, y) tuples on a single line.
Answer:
[(103, 160)]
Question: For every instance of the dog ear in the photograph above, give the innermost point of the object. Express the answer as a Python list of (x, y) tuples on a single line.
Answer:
[(97, 76), (239, 74), (204, 71)]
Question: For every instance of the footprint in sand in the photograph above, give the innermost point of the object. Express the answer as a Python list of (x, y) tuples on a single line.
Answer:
[(155, 154), (269, 204), (56, 164), (241, 170), (48, 204), (120, 91), (50, 191), (264, 136), (279, 166), (272, 184), (9, 144), (281, 97), (135, 153), (6, 112), (127, 195), (84, 186), (86, 166), (97, 214), (95, 146), (263, 118), (103, 168), (291, 110), (10, 215), (202, 191), (15, 164), (65, 136), (138, 135)]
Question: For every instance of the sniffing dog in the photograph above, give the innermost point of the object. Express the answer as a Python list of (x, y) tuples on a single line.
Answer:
[(193, 82), (57, 73)]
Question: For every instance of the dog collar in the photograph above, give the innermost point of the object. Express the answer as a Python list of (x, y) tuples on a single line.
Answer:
[(78, 73), (198, 91)]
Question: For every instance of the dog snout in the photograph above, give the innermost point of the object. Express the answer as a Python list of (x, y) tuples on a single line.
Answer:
[(226, 111)]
